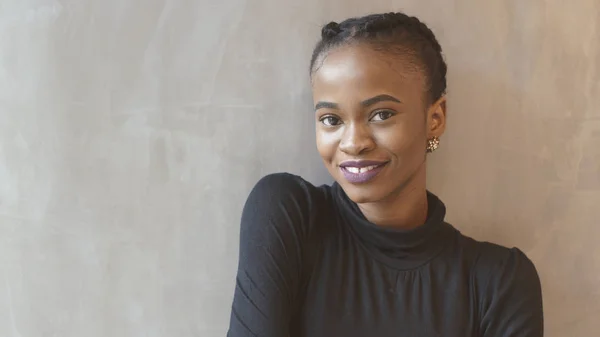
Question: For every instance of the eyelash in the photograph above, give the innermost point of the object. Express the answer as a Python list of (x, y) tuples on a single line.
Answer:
[(391, 114), (378, 112), (324, 118)]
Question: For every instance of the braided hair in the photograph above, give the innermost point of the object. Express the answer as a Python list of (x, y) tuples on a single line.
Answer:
[(393, 33)]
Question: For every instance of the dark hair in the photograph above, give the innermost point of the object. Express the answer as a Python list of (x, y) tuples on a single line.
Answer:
[(393, 33)]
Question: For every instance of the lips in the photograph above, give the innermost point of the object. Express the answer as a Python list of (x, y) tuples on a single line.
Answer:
[(358, 172)]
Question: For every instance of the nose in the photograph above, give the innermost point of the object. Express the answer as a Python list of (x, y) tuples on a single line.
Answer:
[(357, 139)]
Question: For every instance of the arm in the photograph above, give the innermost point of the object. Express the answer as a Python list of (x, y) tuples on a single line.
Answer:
[(271, 236), (511, 301)]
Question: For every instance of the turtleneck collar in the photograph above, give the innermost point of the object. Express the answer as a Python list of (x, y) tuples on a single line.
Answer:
[(398, 248)]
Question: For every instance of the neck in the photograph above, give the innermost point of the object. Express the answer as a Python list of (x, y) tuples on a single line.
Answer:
[(405, 208)]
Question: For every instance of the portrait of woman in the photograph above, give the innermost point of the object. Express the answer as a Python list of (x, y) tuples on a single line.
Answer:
[(371, 254)]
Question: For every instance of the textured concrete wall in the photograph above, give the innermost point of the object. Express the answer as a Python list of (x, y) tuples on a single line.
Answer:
[(131, 132)]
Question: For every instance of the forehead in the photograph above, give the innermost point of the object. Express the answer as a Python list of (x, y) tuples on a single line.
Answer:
[(362, 70)]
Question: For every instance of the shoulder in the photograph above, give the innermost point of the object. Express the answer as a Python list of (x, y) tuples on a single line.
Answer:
[(507, 287), (494, 261), (282, 184), (502, 274), (283, 200), (490, 260), (283, 187)]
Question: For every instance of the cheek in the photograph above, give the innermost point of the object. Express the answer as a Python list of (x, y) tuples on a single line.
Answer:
[(326, 143), (403, 139)]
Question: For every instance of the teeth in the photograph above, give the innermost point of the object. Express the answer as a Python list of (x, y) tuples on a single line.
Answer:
[(361, 169)]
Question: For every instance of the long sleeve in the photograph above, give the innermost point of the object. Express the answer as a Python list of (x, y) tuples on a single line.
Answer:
[(511, 300), (273, 227)]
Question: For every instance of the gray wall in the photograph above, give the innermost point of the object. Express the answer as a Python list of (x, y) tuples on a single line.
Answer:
[(132, 131)]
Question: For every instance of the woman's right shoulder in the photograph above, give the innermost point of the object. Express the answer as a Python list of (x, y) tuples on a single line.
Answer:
[(284, 185), (281, 181), (288, 199)]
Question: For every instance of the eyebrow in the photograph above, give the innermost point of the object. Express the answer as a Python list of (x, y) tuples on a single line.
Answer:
[(326, 105), (365, 103), (379, 98)]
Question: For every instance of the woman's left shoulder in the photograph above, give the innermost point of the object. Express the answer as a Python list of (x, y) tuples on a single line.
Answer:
[(508, 290), (489, 259), (497, 261)]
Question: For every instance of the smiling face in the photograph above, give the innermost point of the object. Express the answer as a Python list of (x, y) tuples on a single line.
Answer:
[(373, 122)]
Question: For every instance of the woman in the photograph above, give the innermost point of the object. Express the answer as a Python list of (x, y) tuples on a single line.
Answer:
[(371, 255)]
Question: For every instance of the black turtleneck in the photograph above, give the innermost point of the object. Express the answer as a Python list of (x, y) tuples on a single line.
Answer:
[(310, 264)]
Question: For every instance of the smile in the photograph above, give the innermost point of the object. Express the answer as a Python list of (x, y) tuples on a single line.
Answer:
[(360, 169), (361, 172)]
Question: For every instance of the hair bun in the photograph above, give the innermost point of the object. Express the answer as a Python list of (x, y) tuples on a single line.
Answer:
[(330, 30)]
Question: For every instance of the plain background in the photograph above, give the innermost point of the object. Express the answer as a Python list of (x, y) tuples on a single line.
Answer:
[(132, 131)]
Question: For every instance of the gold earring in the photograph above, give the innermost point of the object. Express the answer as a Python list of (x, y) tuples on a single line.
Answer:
[(433, 144)]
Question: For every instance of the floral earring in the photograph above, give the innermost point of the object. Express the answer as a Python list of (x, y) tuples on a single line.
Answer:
[(433, 144)]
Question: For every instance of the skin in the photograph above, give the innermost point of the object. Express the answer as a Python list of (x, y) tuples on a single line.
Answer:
[(373, 106)]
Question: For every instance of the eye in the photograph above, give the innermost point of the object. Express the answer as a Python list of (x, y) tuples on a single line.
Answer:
[(330, 120), (382, 115)]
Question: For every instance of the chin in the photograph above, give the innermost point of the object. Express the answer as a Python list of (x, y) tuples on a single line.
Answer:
[(366, 192)]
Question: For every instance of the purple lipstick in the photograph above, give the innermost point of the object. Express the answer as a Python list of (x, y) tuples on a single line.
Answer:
[(361, 171)]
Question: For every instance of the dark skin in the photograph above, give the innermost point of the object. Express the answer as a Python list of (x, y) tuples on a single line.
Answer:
[(374, 106)]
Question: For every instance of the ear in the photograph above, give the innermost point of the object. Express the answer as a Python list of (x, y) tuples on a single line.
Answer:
[(436, 118)]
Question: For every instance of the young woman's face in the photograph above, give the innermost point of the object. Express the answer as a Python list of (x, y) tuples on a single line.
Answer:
[(372, 121)]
